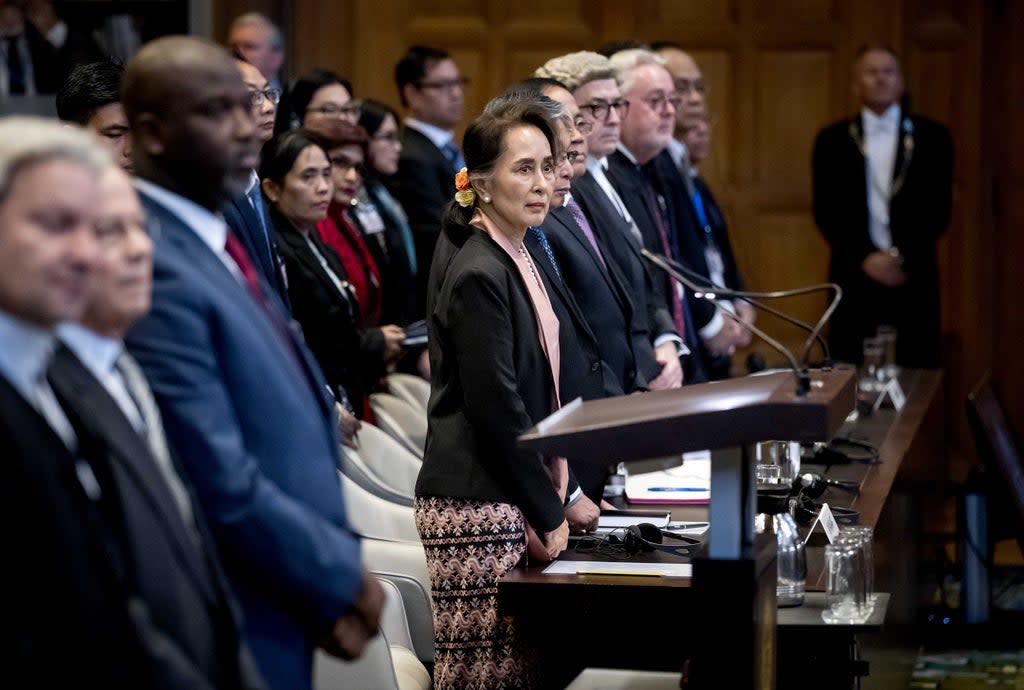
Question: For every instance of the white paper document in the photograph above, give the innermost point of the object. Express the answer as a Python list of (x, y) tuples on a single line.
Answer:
[(619, 568), (688, 483)]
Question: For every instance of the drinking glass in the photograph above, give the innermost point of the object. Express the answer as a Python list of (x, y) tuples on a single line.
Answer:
[(887, 336), (845, 586), (872, 366)]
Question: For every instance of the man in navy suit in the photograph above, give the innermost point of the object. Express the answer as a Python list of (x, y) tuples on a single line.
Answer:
[(246, 215), (242, 400), (430, 86)]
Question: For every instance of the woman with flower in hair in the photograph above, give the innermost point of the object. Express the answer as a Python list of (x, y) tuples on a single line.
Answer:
[(482, 502)]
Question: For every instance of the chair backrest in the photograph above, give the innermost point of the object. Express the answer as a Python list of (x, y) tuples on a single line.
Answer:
[(377, 518), (374, 669), (998, 450), (354, 467), (404, 564), (409, 388), (389, 660), (401, 420), (388, 460)]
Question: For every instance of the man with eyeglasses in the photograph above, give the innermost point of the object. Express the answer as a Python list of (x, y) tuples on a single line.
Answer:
[(710, 250), (653, 337), (246, 215), (431, 87), (91, 97), (651, 189)]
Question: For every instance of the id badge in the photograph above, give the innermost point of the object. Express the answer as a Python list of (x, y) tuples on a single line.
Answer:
[(369, 219)]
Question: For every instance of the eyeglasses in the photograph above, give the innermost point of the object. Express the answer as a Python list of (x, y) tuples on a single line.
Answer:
[(444, 84), (687, 86), (584, 126), (390, 137), (256, 98), (659, 102), (348, 112), (602, 110), (571, 156), (344, 165)]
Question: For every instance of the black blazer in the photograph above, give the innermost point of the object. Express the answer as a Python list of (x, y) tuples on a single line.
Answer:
[(618, 237), (630, 182), (65, 616), (601, 295), (423, 185), (919, 214), (490, 382), (190, 614), (242, 220), (583, 373), (349, 357)]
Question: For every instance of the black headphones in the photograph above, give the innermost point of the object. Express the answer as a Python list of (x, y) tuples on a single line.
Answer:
[(624, 542), (841, 450), (647, 537)]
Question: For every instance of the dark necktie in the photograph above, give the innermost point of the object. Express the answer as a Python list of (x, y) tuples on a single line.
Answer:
[(581, 220), (538, 232), (677, 301), (15, 67)]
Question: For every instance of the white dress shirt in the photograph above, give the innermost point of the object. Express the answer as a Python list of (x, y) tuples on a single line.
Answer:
[(438, 137), (881, 134), (99, 355)]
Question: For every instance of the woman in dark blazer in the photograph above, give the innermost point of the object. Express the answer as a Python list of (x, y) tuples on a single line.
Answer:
[(482, 502), (297, 185)]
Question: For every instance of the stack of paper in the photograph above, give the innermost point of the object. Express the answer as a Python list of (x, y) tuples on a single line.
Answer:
[(688, 483)]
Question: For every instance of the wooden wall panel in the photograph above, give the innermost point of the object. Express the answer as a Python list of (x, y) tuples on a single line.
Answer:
[(795, 11), (791, 103)]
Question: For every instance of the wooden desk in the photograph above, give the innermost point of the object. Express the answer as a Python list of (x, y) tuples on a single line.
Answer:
[(603, 621)]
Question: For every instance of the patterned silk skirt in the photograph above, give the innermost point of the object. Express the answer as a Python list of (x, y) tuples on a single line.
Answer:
[(470, 545)]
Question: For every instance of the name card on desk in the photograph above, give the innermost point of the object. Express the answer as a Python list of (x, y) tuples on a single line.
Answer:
[(893, 392), (828, 523)]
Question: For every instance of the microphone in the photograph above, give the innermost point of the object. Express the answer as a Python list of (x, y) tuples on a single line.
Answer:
[(803, 379), (713, 291)]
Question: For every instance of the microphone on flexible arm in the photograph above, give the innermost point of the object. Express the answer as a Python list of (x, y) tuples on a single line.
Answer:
[(803, 379), (712, 291)]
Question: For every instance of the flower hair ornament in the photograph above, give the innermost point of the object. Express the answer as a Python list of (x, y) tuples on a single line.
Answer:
[(464, 193)]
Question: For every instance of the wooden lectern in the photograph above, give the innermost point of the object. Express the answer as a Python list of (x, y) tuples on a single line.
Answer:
[(734, 580)]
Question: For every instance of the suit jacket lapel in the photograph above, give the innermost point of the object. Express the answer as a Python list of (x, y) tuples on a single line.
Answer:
[(97, 410), (210, 265), (554, 282), (606, 268)]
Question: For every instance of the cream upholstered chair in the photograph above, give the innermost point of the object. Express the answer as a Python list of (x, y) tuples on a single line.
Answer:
[(388, 460), (403, 421), (409, 388), (375, 517), (354, 467), (388, 663), (404, 564)]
